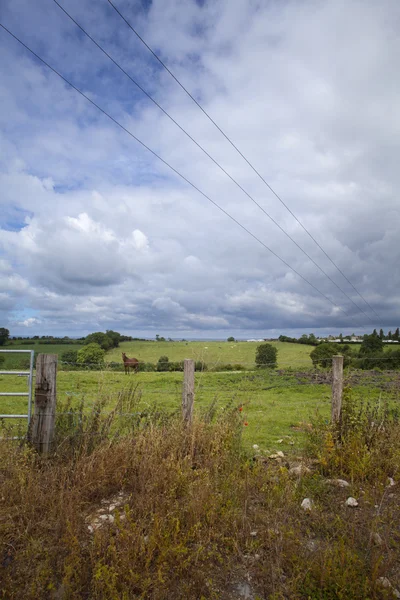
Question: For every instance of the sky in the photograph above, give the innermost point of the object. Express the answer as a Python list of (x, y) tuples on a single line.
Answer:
[(96, 233)]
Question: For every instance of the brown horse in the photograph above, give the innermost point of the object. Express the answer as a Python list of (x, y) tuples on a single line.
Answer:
[(130, 363)]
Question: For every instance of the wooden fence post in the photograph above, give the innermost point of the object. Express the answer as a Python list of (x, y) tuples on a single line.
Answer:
[(188, 390), (43, 421), (337, 387)]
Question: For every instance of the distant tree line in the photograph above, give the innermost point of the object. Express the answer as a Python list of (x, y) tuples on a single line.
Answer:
[(370, 356), (309, 340)]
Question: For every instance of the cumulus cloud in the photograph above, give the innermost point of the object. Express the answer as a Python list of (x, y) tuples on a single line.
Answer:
[(28, 322), (96, 233)]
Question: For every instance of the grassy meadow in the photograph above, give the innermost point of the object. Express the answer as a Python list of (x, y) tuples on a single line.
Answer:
[(212, 353), (19, 361), (275, 407)]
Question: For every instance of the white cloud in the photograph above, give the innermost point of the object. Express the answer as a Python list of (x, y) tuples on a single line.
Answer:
[(96, 232), (28, 322)]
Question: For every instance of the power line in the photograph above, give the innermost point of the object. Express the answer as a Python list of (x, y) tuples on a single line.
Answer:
[(209, 156), (177, 172), (241, 154)]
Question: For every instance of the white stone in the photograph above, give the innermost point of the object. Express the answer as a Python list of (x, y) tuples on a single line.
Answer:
[(279, 441), (307, 504), (391, 482), (299, 470), (384, 581), (312, 545), (244, 591), (351, 502), (339, 482), (255, 447), (253, 533)]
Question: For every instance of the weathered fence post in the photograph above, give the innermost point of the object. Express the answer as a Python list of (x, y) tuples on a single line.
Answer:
[(42, 431), (337, 387), (188, 390)]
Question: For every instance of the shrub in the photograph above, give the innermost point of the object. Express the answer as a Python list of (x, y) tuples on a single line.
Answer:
[(147, 367), (175, 366), (322, 354), (91, 356), (163, 363), (69, 357), (372, 344), (230, 339), (266, 356), (228, 367), (200, 366)]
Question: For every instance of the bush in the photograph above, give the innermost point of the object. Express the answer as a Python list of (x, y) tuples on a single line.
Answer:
[(266, 356), (228, 367), (163, 363), (175, 366), (69, 357), (200, 366), (382, 360), (147, 367), (230, 339), (322, 354), (372, 344), (91, 356)]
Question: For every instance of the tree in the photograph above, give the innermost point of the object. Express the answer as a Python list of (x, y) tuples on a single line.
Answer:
[(266, 356), (389, 335), (341, 337), (91, 355), (381, 334), (163, 363), (230, 339), (100, 338), (4, 335), (114, 336), (375, 333), (396, 335), (371, 344), (322, 354)]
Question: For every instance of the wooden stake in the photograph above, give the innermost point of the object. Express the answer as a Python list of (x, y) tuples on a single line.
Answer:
[(188, 390), (337, 387), (43, 422)]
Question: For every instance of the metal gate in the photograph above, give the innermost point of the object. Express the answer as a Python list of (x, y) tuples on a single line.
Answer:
[(28, 394)]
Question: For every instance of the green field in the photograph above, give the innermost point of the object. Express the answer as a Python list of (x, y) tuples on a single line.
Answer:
[(21, 361), (212, 353)]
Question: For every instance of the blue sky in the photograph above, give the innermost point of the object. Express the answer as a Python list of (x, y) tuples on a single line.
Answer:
[(95, 233)]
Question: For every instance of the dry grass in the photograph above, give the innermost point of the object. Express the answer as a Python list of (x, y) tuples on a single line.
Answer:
[(199, 517)]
